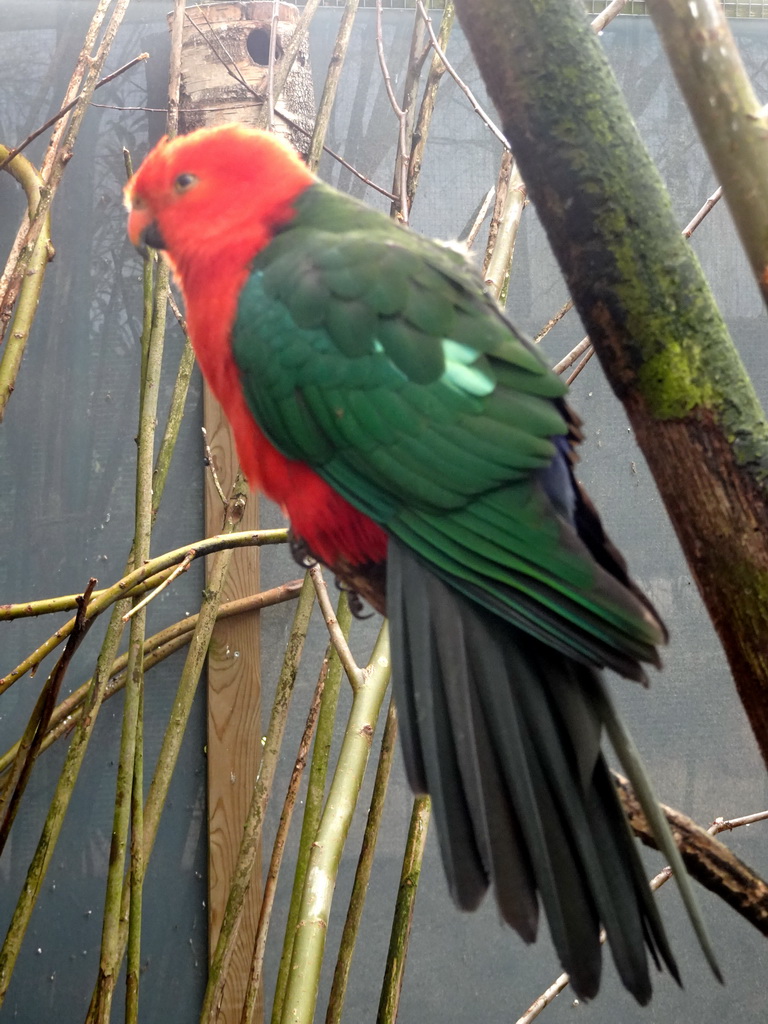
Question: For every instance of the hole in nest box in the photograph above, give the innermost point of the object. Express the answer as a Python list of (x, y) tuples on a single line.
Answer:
[(258, 46)]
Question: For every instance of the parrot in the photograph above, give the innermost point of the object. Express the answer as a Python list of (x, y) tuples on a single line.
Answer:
[(424, 451)]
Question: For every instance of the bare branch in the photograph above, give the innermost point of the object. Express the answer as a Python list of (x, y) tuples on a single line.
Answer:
[(354, 672)]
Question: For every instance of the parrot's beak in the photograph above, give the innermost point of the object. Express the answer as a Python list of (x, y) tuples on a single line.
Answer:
[(143, 231)]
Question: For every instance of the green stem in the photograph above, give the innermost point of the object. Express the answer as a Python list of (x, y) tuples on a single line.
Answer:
[(364, 869), (179, 717), (313, 803), (157, 648), (404, 907), (36, 260), (173, 424), (60, 802), (133, 971), (151, 366), (104, 598), (250, 844), (253, 990), (309, 944)]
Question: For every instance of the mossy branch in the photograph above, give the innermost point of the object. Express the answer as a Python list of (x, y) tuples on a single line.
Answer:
[(646, 305)]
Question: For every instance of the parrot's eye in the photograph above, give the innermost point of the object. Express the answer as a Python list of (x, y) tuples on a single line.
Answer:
[(184, 182)]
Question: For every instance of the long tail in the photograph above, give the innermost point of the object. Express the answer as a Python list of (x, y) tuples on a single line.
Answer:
[(504, 734)]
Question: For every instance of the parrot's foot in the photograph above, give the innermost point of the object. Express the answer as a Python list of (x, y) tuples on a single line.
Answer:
[(367, 582), (356, 605), (300, 552)]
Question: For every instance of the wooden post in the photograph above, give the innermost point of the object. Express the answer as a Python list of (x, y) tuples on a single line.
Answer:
[(220, 38)]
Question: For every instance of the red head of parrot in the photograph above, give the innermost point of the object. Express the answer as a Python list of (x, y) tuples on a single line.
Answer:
[(212, 200)]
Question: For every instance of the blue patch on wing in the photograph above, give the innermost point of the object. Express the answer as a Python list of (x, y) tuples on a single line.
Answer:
[(556, 480)]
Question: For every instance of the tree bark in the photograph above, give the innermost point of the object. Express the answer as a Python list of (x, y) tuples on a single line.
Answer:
[(646, 305)]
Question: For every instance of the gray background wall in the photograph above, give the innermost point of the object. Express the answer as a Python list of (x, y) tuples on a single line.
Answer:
[(66, 479)]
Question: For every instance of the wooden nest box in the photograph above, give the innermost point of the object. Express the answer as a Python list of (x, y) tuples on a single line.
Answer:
[(224, 68)]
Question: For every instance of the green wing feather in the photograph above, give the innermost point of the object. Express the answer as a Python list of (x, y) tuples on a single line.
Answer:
[(376, 357)]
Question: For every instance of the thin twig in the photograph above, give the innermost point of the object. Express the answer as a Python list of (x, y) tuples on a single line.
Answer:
[(285, 116), (570, 379), (417, 55), (428, 101), (209, 461), (339, 641), (401, 191), (107, 597), (482, 213), (180, 568), (565, 308), (728, 824), (157, 648), (573, 355), (682, 826), (497, 132), (716, 196), (31, 742), (66, 109)]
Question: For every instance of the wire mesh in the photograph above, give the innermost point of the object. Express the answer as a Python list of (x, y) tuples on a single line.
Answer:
[(732, 8), (400, 5)]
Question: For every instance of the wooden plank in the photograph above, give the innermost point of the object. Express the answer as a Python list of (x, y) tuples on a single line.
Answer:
[(234, 720)]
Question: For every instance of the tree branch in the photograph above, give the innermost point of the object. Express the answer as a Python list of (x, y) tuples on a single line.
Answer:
[(646, 306)]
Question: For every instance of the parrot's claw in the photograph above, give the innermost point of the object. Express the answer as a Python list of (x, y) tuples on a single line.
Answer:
[(300, 552), (356, 604)]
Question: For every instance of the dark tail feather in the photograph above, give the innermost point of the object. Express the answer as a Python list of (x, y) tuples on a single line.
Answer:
[(504, 733)]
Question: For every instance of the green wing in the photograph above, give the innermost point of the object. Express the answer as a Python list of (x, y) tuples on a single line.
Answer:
[(376, 357)]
